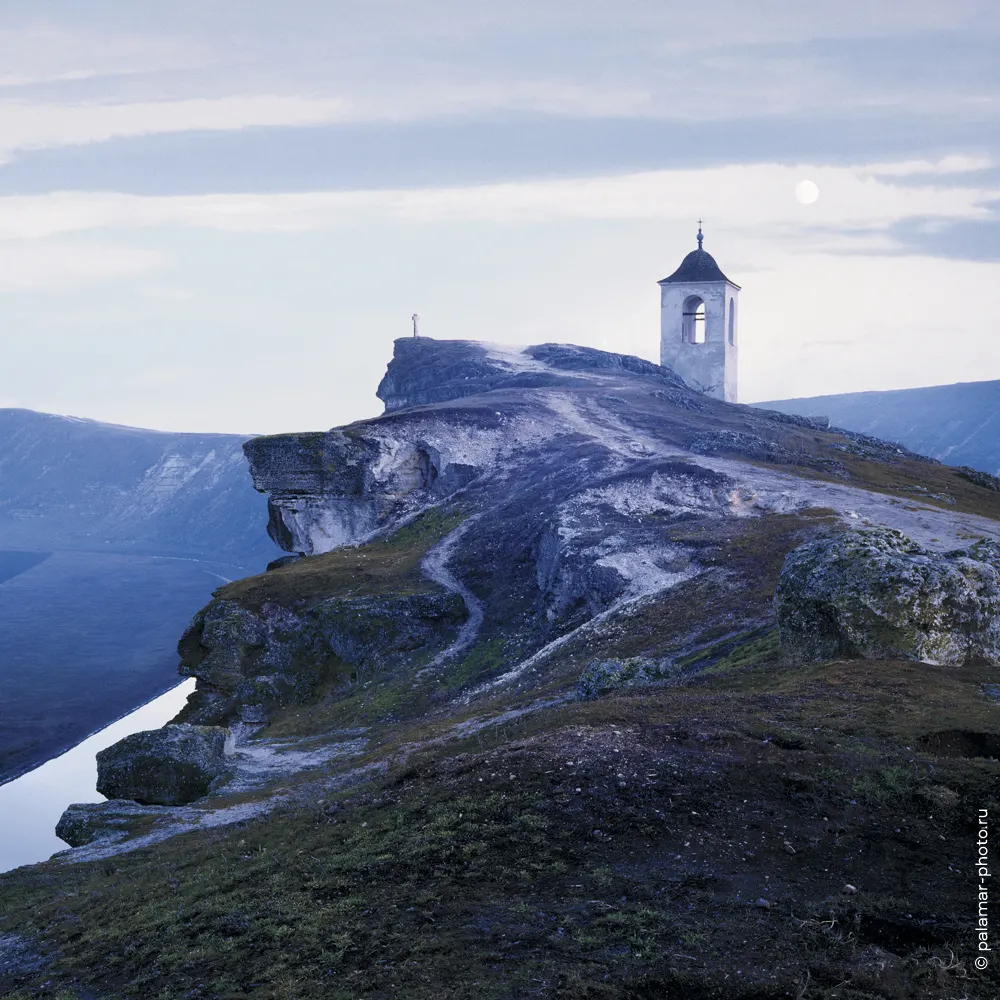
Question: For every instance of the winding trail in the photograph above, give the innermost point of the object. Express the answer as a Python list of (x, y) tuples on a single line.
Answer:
[(434, 566), (588, 626)]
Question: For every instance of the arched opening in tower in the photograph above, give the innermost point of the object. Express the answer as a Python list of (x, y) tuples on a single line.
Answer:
[(732, 322), (693, 327)]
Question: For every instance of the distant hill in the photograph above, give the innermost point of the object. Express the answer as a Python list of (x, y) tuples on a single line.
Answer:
[(958, 424), (81, 484), (110, 539)]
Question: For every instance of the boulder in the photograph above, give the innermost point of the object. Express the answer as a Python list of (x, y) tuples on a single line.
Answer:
[(876, 594), (105, 822), (170, 766), (601, 677)]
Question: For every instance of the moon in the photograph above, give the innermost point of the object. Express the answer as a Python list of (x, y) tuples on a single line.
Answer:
[(806, 192)]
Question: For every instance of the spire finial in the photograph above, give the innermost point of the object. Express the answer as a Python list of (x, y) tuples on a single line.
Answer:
[(700, 237)]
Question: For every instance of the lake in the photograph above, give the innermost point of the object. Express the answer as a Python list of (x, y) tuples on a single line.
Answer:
[(84, 638), (30, 806)]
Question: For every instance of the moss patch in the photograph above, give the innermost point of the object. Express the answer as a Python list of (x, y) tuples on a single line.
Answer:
[(389, 565)]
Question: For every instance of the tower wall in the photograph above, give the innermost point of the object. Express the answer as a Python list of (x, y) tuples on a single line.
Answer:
[(709, 367)]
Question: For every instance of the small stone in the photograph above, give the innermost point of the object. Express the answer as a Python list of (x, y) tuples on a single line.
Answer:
[(763, 904), (850, 889)]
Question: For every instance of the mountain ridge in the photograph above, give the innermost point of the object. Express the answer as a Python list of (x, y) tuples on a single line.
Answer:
[(958, 423)]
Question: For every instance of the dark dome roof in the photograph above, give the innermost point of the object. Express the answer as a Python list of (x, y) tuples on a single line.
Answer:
[(698, 265)]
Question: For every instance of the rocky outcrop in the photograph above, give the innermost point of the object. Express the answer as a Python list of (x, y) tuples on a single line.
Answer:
[(424, 371), (334, 489), (170, 766), (569, 464), (252, 660), (601, 677), (341, 487), (90, 822), (876, 594), (571, 471)]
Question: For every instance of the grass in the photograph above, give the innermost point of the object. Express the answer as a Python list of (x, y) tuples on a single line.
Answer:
[(386, 565), (575, 852), (484, 659)]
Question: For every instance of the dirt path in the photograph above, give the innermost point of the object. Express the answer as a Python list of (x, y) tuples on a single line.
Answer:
[(435, 567)]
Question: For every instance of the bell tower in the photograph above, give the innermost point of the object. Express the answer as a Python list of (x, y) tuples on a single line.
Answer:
[(698, 320)]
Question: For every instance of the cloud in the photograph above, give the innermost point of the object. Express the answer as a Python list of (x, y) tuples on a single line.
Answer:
[(463, 152), (957, 239), (956, 163), (32, 126), (232, 66), (857, 203), (53, 265), (35, 53), (861, 210)]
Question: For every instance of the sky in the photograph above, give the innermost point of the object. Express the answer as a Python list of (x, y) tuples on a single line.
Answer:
[(218, 216)]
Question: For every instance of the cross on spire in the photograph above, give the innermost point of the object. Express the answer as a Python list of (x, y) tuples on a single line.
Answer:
[(700, 237)]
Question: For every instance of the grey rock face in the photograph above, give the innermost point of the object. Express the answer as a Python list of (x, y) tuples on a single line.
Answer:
[(333, 489), (876, 594), (170, 766), (423, 371), (250, 661), (87, 822), (604, 676)]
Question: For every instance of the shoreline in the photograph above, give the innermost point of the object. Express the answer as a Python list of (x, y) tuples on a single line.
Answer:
[(94, 732)]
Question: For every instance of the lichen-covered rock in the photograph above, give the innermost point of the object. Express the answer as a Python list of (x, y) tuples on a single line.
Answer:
[(89, 822), (876, 594), (249, 661), (170, 766), (600, 677)]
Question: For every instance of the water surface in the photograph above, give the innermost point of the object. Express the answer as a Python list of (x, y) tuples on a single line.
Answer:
[(30, 806), (84, 638)]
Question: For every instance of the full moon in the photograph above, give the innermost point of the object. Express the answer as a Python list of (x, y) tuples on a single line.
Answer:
[(806, 192)]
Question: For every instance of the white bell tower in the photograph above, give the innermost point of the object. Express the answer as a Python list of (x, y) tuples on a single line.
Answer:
[(698, 324)]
